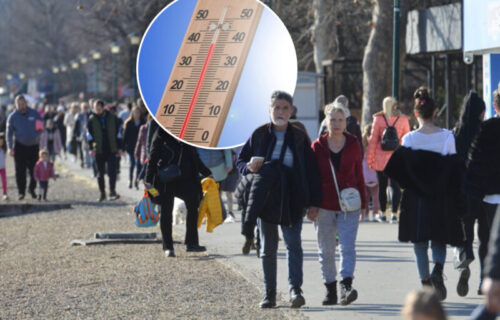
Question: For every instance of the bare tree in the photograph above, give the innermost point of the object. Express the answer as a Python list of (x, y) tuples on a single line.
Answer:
[(377, 61)]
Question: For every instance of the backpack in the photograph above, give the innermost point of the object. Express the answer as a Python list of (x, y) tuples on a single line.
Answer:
[(145, 213), (390, 139)]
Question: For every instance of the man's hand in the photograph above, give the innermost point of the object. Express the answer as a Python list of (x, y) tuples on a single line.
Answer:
[(121, 153), (229, 170), (92, 153), (312, 213), (254, 167), (491, 289), (363, 215), (11, 152)]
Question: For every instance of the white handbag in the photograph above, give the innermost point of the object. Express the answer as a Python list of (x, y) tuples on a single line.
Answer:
[(349, 198)]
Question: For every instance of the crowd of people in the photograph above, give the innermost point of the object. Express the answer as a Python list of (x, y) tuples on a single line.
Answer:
[(438, 181), (334, 178)]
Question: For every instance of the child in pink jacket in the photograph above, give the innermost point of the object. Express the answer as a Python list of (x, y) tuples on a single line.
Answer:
[(44, 170), (370, 176)]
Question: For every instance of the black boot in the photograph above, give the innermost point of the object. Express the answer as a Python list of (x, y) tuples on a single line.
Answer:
[(269, 300), (347, 293), (296, 298), (437, 280), (426, 283), (463, 282), (331, 294)]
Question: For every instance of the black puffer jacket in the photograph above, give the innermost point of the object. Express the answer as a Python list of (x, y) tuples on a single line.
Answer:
[(301, 186), (483, 166)]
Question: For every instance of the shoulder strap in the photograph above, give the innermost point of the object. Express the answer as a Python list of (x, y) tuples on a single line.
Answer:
[(395, 121), (385, 119), (334, 178)]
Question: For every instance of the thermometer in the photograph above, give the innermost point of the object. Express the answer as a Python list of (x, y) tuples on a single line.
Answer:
[(204, 79)]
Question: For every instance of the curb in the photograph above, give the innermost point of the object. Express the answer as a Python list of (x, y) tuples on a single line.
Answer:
[(9, 210)]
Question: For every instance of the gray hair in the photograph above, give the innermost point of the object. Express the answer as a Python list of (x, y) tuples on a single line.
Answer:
[(342, 100), (335, 107)]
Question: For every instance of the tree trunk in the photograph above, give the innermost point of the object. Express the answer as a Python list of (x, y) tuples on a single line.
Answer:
[(324, 36), (377, 61)]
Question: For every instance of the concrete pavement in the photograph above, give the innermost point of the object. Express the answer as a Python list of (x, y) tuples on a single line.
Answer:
[(385, 269)]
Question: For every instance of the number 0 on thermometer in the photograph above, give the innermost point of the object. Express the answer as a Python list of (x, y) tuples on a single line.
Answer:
[(202, 84)]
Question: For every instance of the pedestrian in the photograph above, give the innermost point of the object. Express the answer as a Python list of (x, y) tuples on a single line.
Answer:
[(385, 123), (467, 128), (44, 170), (3, 174), (59, 124), (220, 163), (482, 176), (423, 305), (491, 284), (82, 120), (140, 148), (70, 122), (429, 171), (285, 184), (228, 185), (131, 128), (352, 125), (51, 140), (49, 112), (339, 159), (370, 176), (105, 142), (23, 133), (167, 151), (125, 113)]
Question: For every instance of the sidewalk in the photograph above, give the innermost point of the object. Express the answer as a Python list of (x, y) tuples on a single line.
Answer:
[(385, 269)]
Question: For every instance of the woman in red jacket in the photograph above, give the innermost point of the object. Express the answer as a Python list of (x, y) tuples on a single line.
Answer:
[(342, 151)]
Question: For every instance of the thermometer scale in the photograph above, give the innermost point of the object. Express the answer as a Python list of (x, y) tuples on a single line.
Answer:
[(203, 81)]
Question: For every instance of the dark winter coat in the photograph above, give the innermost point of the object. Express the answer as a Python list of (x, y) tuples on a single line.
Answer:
[(130, 135), (165, 149), (349, 175), (483, 167), (492, 269), (430, 206), (279, 194)]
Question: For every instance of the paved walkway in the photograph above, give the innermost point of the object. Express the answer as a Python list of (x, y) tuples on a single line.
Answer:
[(385, 270)]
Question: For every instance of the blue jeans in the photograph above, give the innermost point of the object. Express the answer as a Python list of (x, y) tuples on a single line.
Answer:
[(438, 255), (133, 164), (327, 225), (269, 249)]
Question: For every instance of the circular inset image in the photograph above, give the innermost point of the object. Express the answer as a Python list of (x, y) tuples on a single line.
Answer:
[(207, 69)]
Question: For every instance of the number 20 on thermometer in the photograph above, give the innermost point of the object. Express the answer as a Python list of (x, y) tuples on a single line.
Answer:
[(203, 81)]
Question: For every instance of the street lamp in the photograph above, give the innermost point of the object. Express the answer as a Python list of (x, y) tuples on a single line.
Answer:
[(74, 65), (63, 68), (55, 71), (83, 59), (22, 76), (96, 55), (115, 50), (134, 39)]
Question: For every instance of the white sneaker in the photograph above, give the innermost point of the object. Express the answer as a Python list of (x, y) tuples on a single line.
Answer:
[(370, 217), (229, 219), (5, 197), (380, 217)]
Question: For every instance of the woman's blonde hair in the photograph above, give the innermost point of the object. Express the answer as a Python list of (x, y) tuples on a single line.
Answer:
[(335, 107), (423, 302), (388, 105)]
